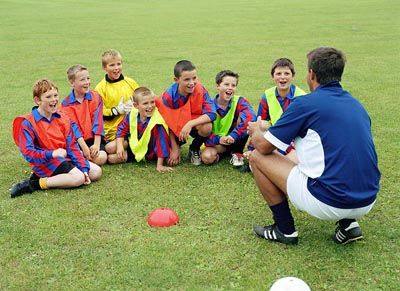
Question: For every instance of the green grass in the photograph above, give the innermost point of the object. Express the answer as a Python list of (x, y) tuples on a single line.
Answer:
[(96, 237)]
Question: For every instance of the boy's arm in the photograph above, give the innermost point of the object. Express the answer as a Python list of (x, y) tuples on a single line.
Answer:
[(95, 147), (186, 129), (245, 115), (84, 147), (120, 148), (175, 154), (75, 154), (97, 118), (27, 146), (160, 166)]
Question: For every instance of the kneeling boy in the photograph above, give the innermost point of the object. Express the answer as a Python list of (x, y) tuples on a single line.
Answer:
[(188, 110), (46, 141), (146, 133), (229, 135)]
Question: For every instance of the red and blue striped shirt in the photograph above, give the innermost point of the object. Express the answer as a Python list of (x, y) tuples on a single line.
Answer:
[(172, 99), (39, 156), (244, 114), (88, 114), (159, 144)]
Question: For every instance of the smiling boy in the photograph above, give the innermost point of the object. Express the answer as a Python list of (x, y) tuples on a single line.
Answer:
[(229, 135), (116, 90), (188, 110), (142, 134), (46, 141), (85, 108)]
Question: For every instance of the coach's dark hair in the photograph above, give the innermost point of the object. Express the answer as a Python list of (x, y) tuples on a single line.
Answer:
[(181, 66), (327, 63), (223, 74), (282, 62)]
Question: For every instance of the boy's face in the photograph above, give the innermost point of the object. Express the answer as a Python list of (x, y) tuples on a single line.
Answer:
[(283, 78), (145, 106), (47, 102), (227, 88), (81, 83), (186, 82), (113, 68)]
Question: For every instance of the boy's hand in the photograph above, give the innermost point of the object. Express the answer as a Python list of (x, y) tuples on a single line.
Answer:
[(226, 140), (186, 129), (121, 106), (86, 152), (174, 157), (128, 106), (59, 153), (94, 151), (87, 179), (163, 169), (247, 154), (257, 126)]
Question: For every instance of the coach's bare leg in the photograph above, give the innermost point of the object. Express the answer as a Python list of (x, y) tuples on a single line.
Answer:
[(271, 172)]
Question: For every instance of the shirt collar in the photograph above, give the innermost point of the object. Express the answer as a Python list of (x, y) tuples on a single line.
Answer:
[(217, 105), (72, 96), (290, 96), (121, 77), (37, 116)]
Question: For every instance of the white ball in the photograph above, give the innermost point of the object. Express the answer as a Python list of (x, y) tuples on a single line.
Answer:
[(290, 284)]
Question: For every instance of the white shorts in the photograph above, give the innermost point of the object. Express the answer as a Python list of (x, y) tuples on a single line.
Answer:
[(304, 200)]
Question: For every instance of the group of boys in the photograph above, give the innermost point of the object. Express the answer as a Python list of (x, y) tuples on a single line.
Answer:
[(122, 122)]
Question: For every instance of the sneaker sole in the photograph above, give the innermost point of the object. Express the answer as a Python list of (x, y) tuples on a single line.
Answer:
[(352, 240)]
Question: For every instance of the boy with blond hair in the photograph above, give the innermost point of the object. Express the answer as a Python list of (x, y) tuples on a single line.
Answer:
[(229, 135), (46, 141), (142, 134), (85, 107), (188, 110), (116, 90)]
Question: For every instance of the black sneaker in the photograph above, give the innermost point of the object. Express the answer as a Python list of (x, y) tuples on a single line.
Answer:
[(21, 188), (272, 233), (245, 168), (195, 157), (348, 234)]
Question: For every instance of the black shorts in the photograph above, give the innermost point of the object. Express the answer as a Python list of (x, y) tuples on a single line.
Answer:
[(90, 142), (64, 168)]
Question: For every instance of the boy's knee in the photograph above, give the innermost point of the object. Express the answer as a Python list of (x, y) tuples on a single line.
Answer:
[(254, 157), (111, 147), (78, 179), (95, 173), (205, 129), (101, 159), (208, 157)]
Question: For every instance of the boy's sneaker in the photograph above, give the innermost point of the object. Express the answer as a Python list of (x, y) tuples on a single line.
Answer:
[(195, 157), (272, 233), (245, 168), (237, 160), (21, 188), (348, 234)]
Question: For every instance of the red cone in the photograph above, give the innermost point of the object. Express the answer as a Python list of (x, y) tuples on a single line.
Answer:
[(162, 217)]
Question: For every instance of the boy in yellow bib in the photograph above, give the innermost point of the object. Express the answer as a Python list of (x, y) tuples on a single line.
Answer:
[(229, 131), (142, 134)]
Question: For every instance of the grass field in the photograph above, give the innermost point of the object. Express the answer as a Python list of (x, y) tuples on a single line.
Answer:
[(96, 237)]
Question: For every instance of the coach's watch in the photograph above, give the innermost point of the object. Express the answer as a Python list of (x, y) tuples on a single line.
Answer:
[(114, 111)]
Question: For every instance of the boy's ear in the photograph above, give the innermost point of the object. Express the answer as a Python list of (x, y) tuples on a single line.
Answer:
[(135, 105), (36, 99), (176, 79)]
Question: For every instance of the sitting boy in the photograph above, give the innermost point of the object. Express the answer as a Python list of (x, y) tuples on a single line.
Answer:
[(46, 141), (116, 90), (229, 135), (276, 100), (142, 134), (85, 108), (188, 110)]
